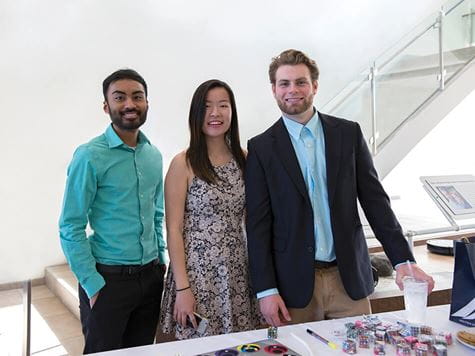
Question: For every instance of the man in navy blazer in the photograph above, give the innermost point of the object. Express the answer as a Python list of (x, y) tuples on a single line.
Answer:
[(307, 252)]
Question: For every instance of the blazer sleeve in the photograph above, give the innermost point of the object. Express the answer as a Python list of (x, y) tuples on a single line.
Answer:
[(259, 223), (376, 205)]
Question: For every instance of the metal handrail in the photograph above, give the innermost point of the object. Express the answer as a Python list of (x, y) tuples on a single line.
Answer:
[(414, 113), (453, 7), (407, 45), (345, 94), (374, 127), (420, 34), (26, 318), (441, 50)]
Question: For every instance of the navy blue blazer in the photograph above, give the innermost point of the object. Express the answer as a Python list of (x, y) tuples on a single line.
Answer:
[(279, 224)]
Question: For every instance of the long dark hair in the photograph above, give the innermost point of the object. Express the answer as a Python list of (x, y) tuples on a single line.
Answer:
[(197, 152)]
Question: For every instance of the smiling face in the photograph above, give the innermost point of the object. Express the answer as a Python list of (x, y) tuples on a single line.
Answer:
[(126, 104), (294, 91), (217, 120)]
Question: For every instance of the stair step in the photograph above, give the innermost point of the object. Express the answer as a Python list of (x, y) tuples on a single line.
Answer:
[(62, 282)]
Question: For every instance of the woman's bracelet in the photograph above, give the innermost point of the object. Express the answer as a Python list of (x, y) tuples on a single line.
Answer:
[(182, 289)]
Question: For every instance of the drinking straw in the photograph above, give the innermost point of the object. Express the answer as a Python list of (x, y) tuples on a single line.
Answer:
[(411, 271)]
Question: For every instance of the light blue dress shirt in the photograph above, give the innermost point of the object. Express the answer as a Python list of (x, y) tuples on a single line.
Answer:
[(118, 190), (309, 145)]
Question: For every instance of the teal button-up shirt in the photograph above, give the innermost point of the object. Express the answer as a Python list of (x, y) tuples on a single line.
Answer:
[(118, 190)]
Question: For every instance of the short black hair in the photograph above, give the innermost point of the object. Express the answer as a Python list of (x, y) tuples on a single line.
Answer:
[(122, 74)]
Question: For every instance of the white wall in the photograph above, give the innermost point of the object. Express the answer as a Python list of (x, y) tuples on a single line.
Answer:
[(446, 150), (55, 54)]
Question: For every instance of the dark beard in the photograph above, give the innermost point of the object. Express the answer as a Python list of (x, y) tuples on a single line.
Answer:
[(116, 118)]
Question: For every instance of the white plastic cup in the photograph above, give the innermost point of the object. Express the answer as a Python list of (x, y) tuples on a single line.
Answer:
[(415, 299)]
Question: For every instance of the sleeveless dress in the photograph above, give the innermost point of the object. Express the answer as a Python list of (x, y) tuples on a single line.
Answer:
[(216, 258)]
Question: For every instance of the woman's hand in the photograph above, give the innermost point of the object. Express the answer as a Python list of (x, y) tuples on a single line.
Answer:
[(184, 307)]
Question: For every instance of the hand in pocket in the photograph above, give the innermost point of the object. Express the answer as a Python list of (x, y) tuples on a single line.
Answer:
[(93, 299)]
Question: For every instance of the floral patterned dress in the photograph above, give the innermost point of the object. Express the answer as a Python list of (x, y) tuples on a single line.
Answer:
[(216, 258)]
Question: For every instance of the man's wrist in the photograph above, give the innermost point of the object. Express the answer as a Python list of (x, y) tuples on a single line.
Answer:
[(404, 263), (267, 292), (93, 284)]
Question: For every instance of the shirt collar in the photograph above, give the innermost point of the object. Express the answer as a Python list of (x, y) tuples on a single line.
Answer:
[(294, 128), (114, 140)]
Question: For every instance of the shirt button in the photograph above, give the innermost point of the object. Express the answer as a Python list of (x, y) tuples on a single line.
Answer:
[(143, 217), (310, 249)]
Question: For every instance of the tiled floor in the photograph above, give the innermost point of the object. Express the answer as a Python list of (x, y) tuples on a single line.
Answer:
[(54, 330)]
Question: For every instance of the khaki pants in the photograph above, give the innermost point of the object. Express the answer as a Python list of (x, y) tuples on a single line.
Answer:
[(329, 300)]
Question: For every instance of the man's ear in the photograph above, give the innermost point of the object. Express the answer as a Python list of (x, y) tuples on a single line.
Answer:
[(315, 86), (273, 89), (106, 107)]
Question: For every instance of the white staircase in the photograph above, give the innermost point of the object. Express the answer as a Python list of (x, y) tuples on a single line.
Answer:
[(413, 85), (61, 281)]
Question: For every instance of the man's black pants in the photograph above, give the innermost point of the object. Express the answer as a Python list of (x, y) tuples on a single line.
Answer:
[(127, 309)]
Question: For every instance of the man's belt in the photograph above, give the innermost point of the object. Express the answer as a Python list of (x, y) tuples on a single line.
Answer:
[(125, 269), (325, 264)]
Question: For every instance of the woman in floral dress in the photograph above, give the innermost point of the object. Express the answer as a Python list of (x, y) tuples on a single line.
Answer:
[(204, 202)]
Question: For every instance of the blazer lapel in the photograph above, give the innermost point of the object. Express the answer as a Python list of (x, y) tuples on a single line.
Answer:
[(286, 153), (332, 153)]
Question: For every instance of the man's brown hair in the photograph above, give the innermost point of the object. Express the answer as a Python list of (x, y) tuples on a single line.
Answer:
[(292, 57)]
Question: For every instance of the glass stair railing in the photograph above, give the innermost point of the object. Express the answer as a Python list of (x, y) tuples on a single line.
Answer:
[(403, 79)]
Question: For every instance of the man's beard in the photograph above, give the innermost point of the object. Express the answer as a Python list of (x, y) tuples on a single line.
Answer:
[(127, 125), (306, 104)]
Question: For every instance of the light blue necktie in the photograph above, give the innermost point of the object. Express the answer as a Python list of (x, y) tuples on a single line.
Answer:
[(309, 144), (311, 179)]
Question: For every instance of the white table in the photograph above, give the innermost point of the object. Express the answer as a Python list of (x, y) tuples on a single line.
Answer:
[(437, 317)]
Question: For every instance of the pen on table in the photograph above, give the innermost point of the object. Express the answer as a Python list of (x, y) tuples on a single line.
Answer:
[(322, 339)]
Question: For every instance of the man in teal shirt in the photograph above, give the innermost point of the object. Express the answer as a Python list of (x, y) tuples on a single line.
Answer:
[(115, 185)]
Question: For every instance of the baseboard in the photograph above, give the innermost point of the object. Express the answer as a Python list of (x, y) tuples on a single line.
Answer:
[(19, 285)]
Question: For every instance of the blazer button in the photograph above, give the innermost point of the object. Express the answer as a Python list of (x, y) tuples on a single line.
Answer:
[(310, 249)]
